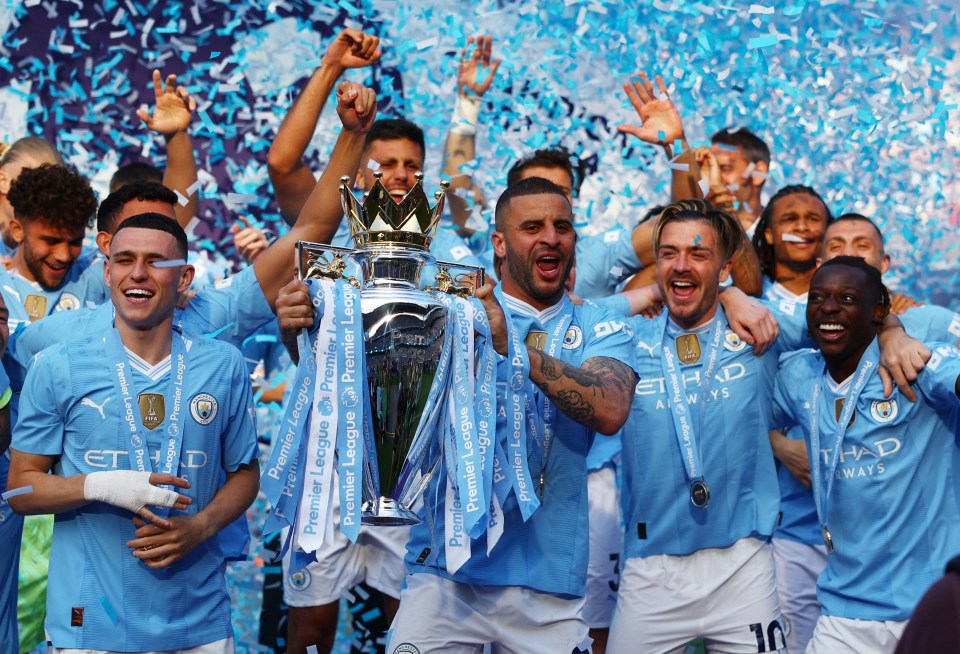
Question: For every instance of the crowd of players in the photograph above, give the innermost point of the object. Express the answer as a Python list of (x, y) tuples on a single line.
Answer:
[(772, 474)]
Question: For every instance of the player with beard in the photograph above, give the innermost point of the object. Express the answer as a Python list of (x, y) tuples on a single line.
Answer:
[(526, 594), (700, 496), (888, 516)]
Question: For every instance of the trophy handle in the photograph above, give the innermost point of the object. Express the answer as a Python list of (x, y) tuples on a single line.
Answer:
[(466, 280), (322, 261)]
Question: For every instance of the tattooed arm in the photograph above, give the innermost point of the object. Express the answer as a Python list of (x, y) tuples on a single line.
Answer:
[(597, 394)]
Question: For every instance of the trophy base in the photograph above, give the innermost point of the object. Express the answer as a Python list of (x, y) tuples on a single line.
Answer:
[(386, 512)]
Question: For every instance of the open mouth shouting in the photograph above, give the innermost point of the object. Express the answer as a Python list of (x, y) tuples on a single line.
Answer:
[(548, 265)]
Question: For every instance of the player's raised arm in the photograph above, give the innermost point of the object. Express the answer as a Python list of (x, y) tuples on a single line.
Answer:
[(320, 216), (291, 177)]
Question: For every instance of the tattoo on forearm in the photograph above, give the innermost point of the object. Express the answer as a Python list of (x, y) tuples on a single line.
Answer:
[(574, 405), (597, 376)]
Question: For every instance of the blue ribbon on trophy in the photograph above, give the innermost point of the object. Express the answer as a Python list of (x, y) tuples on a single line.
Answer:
[(486, 413), (351, 375), (281, 481)]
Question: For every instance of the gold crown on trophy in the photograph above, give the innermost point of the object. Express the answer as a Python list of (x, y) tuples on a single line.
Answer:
[(382, 221)]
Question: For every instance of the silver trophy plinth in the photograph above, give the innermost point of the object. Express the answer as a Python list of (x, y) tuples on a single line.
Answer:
[(403, 336)]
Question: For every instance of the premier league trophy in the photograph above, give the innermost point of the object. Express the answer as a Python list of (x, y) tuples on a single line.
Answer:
[(403, 332)]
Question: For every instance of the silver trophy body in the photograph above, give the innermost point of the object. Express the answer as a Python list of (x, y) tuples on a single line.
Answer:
[(404, 329)]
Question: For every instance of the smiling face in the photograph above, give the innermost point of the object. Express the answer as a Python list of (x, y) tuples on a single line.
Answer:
[(843, 312), (143, 293), (690, 268), (537, 248), (398, 159), (797, 223), (45, 253)]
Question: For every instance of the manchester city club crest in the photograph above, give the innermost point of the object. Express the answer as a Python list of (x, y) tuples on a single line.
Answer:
[(884, 410), (203, 408), (732, 342), (152, 409), (68, 302), (301, 579), (573, 338)]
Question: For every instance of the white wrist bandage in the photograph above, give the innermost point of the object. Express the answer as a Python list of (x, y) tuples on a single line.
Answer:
[(466, 116), (128, 489)]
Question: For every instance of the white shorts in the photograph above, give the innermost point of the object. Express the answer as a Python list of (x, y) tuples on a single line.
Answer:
[(438, 615), (835, 635), (606, 541), (224, 646), (726, 596), (798, 565), (376, 558)]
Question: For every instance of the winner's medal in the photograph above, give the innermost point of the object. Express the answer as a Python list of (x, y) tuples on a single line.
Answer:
[(700, 494), (827, 539)]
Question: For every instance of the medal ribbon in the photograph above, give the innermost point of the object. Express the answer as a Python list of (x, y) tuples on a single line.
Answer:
[(542, 450), (139, 452), (821, 495), (688, 433)]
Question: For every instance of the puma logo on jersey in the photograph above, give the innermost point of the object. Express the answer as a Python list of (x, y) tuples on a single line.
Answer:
[(649, 348), (99, 407)]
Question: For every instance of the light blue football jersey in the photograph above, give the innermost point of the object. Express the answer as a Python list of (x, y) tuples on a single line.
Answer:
[(99, 596), (28, 301), (737, 462), (603, 262), (892, 513), (548, 553), (798, 513)]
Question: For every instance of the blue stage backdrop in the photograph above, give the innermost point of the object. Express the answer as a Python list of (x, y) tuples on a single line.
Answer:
[(856, 98)]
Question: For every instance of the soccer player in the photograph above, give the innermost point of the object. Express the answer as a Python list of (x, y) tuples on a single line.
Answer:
[(700, 494), (788, 240), (51, 208), (526, 594), (798, 546), (888, 513), (28, 152), (114, 416)]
